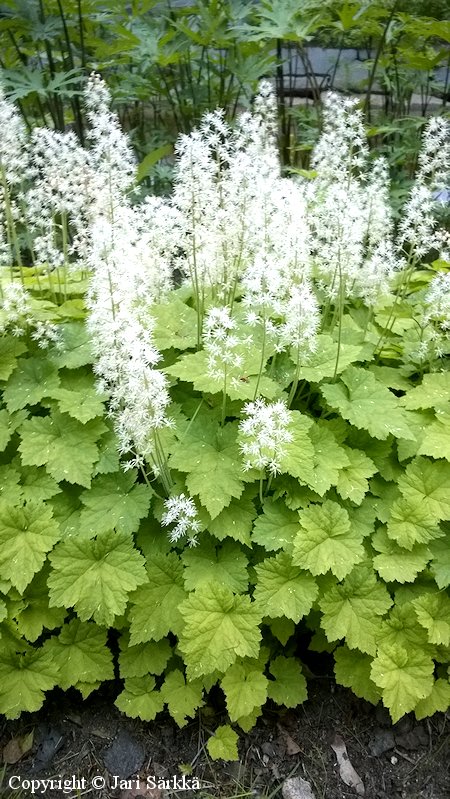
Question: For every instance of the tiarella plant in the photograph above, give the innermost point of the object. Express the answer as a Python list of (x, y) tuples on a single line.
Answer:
[(268, 358)]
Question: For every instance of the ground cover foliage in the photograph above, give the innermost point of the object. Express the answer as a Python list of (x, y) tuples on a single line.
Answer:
[(224, 422)]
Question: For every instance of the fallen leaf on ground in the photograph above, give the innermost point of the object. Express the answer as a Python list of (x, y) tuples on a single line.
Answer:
[(346, 771), (292, 748), (17, 748)]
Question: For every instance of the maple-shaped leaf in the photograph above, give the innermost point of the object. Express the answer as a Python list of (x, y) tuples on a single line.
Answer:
[(183, 697), (326, 541), (425, 483), (149, 658), (79, 396), (10, 349), (283, 588), (411, 523), (210, 456), (139, 700), (276, 527), (108, 454), (163, 594), (75, 347), (353, 480), (402, 627), (95, 577), (9, 422), (352, 669), (352, 610), (367, 404), (219, 627), (175, 325), (37, 485), (404, 678), (80, 654), (289, 687), (66, 447), (86, 688), (23, 679), (433, 613), (10, 490), (223, 744), (236, 520), (432, 392), (436, 439), (328, 459), (34, 613), (297, 455), (245, 688), (114, 500), (282, 628), (322, 362), (32, 380), (440, 565), (437, 701), (395, 563), (26, 535), (226, 564)]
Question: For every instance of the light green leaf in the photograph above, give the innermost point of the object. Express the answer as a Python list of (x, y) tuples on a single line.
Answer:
[(10, 491), (35, 614), (436, 439), (245, 688), (236, 520), (139, 700), (411, 523), (404, 677), (80, 654), (79, 397), (37, 485), (163, 594), (395, 563), (32, 380), (432, 392), (352, 482), (289, 688), (433, 613), (211, 458), (26, 535), (425, 483), (87, 688), (241, 382), (352, 669), (219, 627), (182, 697), (175, 325), (282, 628), (322, 362), (298, 453), (149, 161), (66, 447), (95, 577), (75, 346), (114, 500), (8, 425), (284, 589), (225, 564), (326, 540), (440, 565), (23, 680), (352, 610), (437, 701), (402, 627), (10, 349), (108, 454), (136, 661), (276, 527), (328, 459), (223, 744), (367, 404)]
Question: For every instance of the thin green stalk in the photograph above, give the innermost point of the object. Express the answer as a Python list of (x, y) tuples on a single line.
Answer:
[(341, 314)]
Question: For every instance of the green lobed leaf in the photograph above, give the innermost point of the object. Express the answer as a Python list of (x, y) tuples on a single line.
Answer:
[(402, 627), (326, 540), (282, 628), (95, 577), (78, 396), (432, 392), (219, 627), (63, 445), (137, 661), (322, 362), (411, 523), (183, 697), (425, 483), (35, 614), (23, 679), (395, 563), (404, 677), (276, 527), (139, 698), (175, 325), (433, 613), (10, 349), (32, 380), (367, 404), (352, 669), (235, 521), (163, 593), (80, 654), (299, 452), (353, 609), (436, 439), (223, 744), (289, 687), (437, 701), (353, 480), (245, 688), (284, 589), (114, 500), (26, 535), (74, 349), (225, 564), (440, 565), (328, 459)]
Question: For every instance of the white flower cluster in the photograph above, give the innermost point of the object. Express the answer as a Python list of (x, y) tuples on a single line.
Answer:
[(220, 343), (264, 434), (182, 510), (13, 166)]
